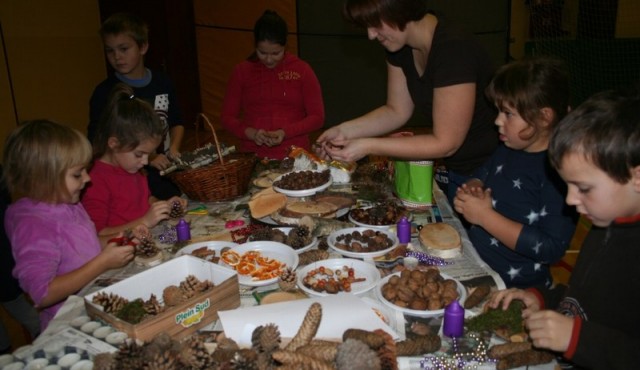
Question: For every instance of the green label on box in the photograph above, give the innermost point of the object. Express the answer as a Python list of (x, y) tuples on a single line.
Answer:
[(192, 315)]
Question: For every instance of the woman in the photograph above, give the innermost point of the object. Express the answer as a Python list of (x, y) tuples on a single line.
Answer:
[(273, 99), (433, 67)]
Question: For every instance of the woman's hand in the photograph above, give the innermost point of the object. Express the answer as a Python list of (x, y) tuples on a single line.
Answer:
[(329, 139), (348, 150), (160, 162), (549, 329), (274, 138), (114, 255)]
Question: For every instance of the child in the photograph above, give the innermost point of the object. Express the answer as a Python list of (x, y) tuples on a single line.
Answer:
[(126, 42), (519, 222), (118, 197), (273, 99), (55, 245), (596, 150)]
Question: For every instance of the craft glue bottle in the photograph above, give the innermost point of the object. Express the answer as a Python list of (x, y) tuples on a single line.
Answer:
[(183, 231), (453, 323), (403, 229)]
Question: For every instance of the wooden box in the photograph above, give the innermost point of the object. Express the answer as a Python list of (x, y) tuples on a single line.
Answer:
[(179, 321)]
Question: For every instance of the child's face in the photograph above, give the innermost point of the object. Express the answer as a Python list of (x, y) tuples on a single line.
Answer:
[(269, 53), (75, 178), (595, 194), (511, 124), (124, 55), (133, 160)]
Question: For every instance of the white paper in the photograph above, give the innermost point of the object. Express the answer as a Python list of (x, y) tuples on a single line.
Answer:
[(339, 313)]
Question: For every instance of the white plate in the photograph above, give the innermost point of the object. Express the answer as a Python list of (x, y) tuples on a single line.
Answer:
[(275, 250), (216, 246), (331, 240), (361, 270), (462, 295), (268, 220), (301, 193)]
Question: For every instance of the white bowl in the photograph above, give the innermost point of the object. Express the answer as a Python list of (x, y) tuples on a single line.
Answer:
[(365, 270), (332, 240), (278, 251), (304, 192), (462, 295)]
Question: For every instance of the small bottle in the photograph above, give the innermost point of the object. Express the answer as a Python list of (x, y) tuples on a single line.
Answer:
[(453, 324), (404, 231), (183, 231)]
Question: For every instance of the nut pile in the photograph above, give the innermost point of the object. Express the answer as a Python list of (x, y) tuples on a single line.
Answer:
[(303, 180), (381, 214), (363, 242), (420, 290)]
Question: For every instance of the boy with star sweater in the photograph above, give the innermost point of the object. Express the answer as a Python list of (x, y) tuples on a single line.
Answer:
[(520, 224)]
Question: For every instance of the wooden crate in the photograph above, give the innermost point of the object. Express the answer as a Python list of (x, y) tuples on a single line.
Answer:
[(178, 321)]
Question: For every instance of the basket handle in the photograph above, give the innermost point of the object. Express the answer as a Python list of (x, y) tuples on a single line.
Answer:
[(215, 137)]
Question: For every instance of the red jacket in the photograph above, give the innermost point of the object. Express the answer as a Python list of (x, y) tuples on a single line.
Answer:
[(286, 97)]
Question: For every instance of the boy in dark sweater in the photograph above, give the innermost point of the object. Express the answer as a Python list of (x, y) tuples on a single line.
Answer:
[(595, 324)]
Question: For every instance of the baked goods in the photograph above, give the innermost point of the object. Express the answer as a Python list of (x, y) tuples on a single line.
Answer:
[(441, 240), (309, 208), (266, 204)]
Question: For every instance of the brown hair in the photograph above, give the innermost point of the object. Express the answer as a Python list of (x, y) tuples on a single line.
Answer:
[(529, 85), (129, 119), (128, 24), (37, 156), (605, 129), (395, 13)]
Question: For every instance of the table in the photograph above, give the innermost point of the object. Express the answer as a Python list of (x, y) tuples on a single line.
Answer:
[(468, 268)]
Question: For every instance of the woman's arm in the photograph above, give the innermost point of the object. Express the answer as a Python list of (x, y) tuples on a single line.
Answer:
[(230, 115)]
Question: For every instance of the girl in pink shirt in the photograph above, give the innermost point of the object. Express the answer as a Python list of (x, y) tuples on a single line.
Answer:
[(54, 242), (118, 197)]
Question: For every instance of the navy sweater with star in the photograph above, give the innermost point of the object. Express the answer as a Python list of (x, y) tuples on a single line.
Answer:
[(525, 189)]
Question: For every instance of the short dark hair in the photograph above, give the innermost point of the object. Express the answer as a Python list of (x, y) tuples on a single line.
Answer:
[(126, 23), (395, 13), (270, 27), (530, 84), (605, 129)]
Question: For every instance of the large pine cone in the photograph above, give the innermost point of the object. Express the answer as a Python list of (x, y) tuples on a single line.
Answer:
[(176, 210), (287, 280), (194, 354), (111, 302), (152, 306)]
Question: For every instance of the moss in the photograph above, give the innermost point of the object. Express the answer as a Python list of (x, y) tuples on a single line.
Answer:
[(132, 312), (493, 319)]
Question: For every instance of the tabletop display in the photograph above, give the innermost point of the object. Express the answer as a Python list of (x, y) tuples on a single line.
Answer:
[(349, 294)]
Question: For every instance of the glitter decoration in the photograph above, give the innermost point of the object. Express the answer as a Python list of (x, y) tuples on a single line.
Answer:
[(427, 259), (459, 360), (168, 235)]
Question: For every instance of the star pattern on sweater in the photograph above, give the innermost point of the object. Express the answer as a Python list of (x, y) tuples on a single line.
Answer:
[(536, 248), (543, 211), (517, 183), (494, 241), (513, 272), (499, 169), (536, 267), (493, 203), (532, 217)]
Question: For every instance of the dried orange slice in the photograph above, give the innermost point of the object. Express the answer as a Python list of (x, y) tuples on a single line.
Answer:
[(230, 257), (245, 268)]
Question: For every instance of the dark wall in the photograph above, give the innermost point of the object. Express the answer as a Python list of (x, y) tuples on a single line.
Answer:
[(352, 69)]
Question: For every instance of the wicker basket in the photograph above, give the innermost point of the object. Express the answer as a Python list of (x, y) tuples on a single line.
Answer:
[(225, 180)]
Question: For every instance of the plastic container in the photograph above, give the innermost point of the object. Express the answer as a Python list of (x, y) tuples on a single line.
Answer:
[(183, 230), (453, 323), (404, 231)]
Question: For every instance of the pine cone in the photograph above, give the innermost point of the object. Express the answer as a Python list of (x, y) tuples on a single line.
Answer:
[(287, 280), (262, 234), (353, 354), (104, 361), (324, 352), (176, 210), (147, 247), (162, 361), (300, 361), (111, 302), (387, 353), (418, 345), (245, 359), (172, 296), (194, 354), (373, 340), (311, 256), (129, 356), (267, 339), (152, 306), (308, 329)]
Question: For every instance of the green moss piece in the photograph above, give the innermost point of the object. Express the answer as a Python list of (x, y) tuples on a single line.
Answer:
[(493, 319), (132, 312)]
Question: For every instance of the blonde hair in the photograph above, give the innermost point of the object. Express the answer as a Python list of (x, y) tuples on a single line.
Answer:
[(37, 156)]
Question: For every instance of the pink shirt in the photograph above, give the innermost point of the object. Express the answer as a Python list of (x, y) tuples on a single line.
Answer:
[(115, 197), (48, 240)]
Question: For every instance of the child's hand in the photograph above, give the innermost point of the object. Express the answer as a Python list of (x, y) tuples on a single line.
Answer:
[(157, 212), (160, 162), (502, 299), (473, 203), (549, 329), (274, 137), (115, 255)]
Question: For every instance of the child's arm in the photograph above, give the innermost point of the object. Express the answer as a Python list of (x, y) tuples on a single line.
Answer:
[(64, 285), (177, 134)]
